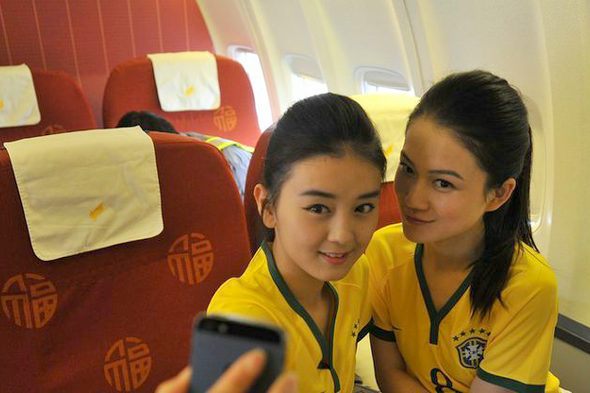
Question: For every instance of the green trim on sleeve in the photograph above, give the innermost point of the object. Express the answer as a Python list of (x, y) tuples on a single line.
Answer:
[(508, 383), (382, 334), (365, 330)]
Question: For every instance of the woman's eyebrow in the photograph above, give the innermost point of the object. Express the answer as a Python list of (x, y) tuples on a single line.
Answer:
[(318, 193), (369, 195), (324, 194), (448, 172)]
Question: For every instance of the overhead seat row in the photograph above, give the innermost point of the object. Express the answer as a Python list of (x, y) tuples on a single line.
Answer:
[(131, 87)]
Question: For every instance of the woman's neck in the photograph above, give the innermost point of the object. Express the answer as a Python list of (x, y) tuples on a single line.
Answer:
[(456, 253), (307, 290)]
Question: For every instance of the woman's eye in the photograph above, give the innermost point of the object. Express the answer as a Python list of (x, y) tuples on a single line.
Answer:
[(405, 168), (365, 208), (317, 209), (441, 183)]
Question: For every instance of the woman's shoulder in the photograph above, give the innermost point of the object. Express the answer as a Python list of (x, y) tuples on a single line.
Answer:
[(251, 288), (389, 244), (531, 273), (532, 264)]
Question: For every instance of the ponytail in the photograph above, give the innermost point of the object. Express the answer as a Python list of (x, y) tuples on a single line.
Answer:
[(505, 229)]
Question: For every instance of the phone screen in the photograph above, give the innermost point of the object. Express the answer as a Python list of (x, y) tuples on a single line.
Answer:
[(219, 340)]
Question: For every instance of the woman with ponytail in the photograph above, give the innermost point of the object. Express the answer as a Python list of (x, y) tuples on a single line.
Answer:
[(462, 299)]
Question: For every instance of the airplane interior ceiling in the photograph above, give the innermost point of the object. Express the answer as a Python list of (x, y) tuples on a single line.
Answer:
[(541, 46)]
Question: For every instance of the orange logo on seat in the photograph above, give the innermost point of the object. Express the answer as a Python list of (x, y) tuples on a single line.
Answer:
[(29, 300), (127, 364), (225, 118), (190, 259)]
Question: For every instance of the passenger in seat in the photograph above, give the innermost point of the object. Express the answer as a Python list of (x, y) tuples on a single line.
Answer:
[(237, 156), (148, 121), (319, 197), (463, 301)]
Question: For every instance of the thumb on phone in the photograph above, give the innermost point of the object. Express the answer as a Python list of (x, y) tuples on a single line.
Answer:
[(244, 371)]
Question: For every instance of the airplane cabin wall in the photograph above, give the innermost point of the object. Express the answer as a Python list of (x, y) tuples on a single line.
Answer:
[(87, 38), (314, 31)]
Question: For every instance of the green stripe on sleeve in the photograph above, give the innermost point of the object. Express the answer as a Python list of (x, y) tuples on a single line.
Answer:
[(382, 334), (365, 330), (508, 383)]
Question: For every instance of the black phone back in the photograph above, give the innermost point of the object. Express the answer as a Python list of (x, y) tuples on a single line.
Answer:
[(219, 341)]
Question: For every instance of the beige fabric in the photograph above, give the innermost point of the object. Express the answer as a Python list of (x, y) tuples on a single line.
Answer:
[(389, 113), (87, 190), (186, 81), (18, 102)]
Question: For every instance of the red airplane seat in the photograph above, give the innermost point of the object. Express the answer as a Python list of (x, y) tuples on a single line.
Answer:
[(119, 318), (131, 87), (62, 105), (255, 169), (388, 206)]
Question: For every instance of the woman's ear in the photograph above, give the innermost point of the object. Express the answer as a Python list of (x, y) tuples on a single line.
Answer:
[(265, 208), (500, 195)]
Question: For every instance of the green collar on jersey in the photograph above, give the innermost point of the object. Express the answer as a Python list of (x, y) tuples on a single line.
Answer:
[(325, 343), (436, 317)]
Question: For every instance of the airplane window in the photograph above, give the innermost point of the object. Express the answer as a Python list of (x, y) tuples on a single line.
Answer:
[(306, 77), (376, 80), (251, 63), (305, 86)]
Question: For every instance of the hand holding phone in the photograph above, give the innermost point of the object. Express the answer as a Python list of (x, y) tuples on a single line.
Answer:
[(238, 377), (218, 341)]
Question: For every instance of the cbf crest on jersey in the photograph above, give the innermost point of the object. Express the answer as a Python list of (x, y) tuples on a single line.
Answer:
[(471, 351)]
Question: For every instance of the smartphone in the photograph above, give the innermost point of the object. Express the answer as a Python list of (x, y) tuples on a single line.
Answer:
[(219, 340)]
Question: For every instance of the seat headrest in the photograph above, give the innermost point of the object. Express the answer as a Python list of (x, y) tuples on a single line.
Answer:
[(18, 101), (186, 81), (389, 113), (87, 190)]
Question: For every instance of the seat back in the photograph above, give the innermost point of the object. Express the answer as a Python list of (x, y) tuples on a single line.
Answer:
[(62, 104), (131, 87), (388, 206), (256, 230), (119, 318)]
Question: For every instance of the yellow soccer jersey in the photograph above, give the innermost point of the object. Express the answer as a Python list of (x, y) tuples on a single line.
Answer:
[(323, 364), (446, 349)]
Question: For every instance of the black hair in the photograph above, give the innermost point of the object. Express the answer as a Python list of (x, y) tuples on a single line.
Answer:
[(148, 121), (489, 117), (325, 124)]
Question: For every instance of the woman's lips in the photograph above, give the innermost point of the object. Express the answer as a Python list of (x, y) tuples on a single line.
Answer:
[(334, 258), (416, 221)]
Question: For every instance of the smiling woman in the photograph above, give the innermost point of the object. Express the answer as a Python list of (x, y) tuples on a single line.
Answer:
[(463, 301), (319, 197)]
